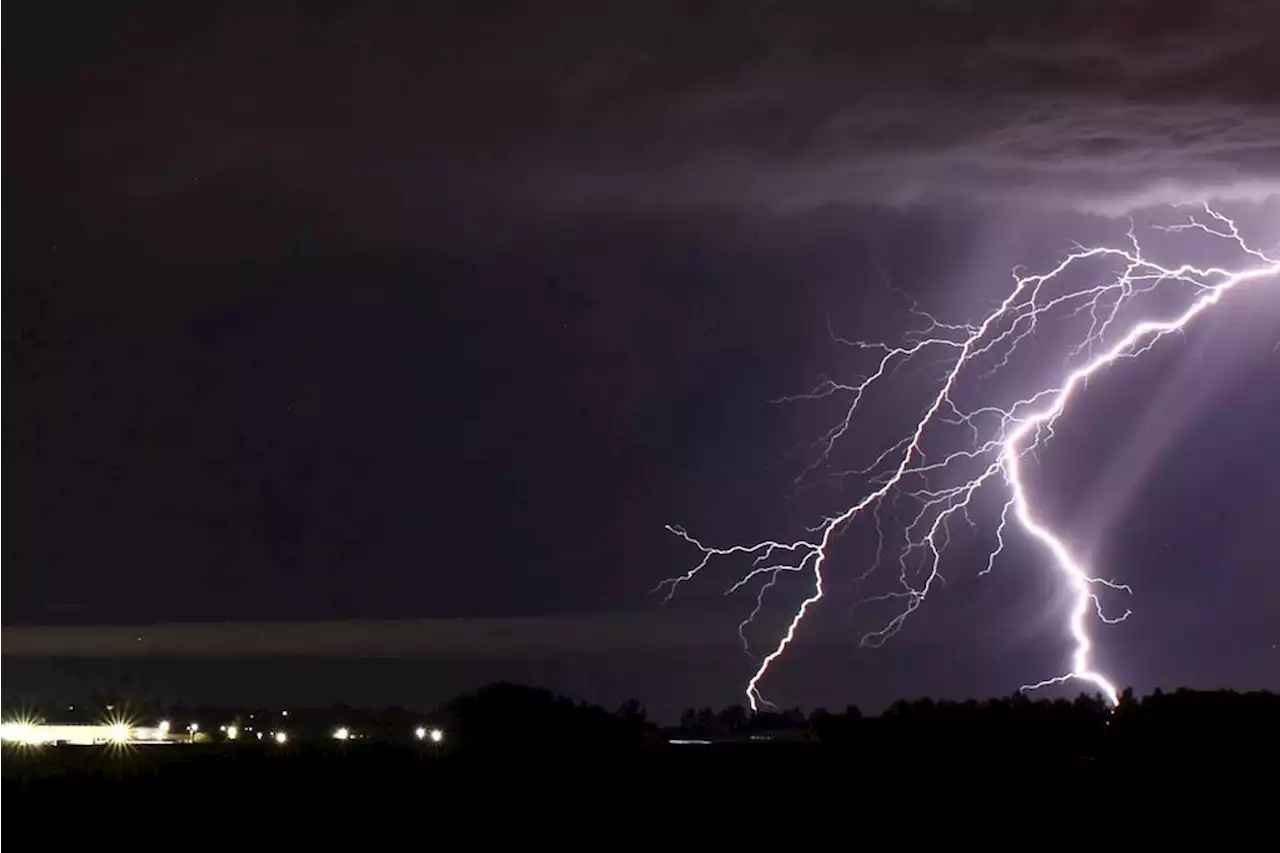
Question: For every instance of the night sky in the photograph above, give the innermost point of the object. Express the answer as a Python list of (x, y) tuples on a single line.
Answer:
[(412, 325)]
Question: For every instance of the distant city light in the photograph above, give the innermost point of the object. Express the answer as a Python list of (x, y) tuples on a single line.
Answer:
[(120, 731), (20, 732), (116, 732)]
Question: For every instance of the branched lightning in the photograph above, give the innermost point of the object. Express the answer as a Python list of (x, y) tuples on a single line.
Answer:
[(942, 484)]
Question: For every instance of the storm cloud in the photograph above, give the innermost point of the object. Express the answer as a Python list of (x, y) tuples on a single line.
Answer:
[(1094, 104), (386, 311)]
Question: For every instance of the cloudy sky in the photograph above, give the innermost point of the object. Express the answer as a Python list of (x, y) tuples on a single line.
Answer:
[(384, 316)]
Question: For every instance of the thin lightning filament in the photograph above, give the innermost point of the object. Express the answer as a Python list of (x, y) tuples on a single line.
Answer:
[(999, 436)]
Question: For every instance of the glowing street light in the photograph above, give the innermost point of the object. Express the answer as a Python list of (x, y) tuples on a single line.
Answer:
[(232, 733), (433, 735), (20, 732), (342, 733), (281, 738)]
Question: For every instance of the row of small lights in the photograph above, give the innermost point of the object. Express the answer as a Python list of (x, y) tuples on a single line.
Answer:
[(120, 732), (340, 733)]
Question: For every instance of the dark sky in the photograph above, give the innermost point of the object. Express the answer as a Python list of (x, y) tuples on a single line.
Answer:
[(432, 315)]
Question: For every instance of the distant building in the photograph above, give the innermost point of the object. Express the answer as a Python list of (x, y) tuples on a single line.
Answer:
[(35, 734)]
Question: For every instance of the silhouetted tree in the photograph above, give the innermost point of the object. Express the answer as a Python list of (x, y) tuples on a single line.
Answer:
[(514, 718), (689, 720), (733, 719)]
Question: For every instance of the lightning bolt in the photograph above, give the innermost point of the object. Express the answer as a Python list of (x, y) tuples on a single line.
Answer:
[(1000, 436)]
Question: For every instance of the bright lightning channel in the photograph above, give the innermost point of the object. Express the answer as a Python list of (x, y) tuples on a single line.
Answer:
[(1001, 437)]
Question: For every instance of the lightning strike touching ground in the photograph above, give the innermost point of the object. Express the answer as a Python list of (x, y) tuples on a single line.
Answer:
[(999, 437)]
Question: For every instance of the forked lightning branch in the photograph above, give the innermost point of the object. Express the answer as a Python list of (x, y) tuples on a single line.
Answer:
[(940, 484)]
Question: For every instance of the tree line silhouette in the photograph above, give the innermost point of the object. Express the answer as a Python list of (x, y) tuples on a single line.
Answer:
[(503, 718), (512, 746), (1184, 725)]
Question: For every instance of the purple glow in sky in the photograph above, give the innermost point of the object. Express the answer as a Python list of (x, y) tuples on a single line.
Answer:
[(995, 438), (433, 319)]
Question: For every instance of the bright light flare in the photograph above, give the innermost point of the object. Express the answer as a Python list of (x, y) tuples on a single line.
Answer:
[(118, 733), (21, 733), (23, 730), (436, 735), (999, 436), (341, 733)]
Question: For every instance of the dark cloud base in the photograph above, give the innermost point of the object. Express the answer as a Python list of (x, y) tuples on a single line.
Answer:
[(405, 111)]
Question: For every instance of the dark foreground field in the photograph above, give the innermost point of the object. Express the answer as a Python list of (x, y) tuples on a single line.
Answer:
[(520, 765), (688, 797), (667, 775)]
